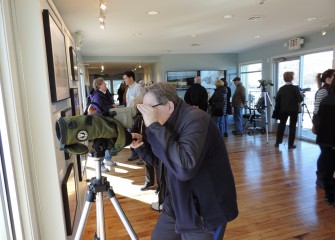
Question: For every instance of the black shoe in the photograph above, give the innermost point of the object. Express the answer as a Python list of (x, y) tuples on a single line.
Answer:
[(146, 186), (225, 134), (238, 134), (157, 190), (292, 147), (133, 158), (276, 145)]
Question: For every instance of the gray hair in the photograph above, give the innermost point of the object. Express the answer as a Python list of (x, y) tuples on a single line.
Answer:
[(163, 92), (97, 82)]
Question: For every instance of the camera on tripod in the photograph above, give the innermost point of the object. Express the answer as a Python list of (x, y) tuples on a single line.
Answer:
[(106, 132), (303, 90), (264, 83)]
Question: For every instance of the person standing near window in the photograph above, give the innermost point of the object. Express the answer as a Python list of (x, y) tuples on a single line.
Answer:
[(238, 103), (288, 98)]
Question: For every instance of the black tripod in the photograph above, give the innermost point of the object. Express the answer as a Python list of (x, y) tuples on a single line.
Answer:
[(267, 100), (99, 185), (303, 107)]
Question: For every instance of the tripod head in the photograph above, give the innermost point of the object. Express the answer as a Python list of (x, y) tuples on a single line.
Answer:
[(264, 83)]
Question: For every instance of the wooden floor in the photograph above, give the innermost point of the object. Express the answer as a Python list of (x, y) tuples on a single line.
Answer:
[(277, 196)]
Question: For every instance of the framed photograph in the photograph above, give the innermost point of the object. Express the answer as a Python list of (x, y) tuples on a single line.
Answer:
[(56, 58), (70, 202), (75, 101), (67, 112), (74, 64), (181, 79)]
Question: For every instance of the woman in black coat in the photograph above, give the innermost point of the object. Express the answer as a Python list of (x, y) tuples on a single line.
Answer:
[(218, 103), (288, 98)]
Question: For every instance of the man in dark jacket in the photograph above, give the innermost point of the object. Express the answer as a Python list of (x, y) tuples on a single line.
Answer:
[(200, 194), (196, 95)]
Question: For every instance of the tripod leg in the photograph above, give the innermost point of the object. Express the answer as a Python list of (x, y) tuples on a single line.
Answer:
[(120, 212), (265, 95), (89, 199), (101, 234)]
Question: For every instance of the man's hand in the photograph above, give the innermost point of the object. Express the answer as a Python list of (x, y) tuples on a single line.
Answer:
[(149, 114), (137, 140)]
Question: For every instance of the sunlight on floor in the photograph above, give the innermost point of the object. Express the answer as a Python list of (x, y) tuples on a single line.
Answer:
[(123, 186)]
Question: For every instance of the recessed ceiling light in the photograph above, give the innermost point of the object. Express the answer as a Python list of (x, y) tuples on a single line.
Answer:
[(255, 18), (310, 19), (137, 34), (193, 35), (257, 36), (228, 16), (153, 12)]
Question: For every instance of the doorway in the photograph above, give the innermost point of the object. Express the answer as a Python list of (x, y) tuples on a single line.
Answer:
[(305, 68)]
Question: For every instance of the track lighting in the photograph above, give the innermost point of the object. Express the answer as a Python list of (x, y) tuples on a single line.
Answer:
[(102, 15), (103, 5)]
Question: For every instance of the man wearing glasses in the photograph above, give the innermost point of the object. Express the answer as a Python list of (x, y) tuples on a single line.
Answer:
[(197, 184)]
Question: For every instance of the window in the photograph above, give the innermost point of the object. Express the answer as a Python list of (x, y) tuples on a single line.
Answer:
[(250, 75)]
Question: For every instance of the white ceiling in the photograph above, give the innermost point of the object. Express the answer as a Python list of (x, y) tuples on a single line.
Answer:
[(131, 32)]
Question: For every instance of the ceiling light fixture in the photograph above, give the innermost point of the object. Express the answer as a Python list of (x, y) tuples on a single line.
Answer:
[(102, 15), (103, 5), (153, 12), (323, 32)]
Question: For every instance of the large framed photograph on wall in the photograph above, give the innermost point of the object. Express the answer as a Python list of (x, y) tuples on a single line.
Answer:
[(56, 58), (74, 64), (70, 202)]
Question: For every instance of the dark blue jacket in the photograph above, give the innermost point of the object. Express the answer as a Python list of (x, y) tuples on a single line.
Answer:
[(200, 186), (104, 100)]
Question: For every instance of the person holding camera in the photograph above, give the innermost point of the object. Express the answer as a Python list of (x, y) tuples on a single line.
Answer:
[(101, 102), (287, 101), (196, 179)]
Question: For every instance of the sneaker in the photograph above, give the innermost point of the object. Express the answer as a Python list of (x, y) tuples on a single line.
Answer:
[(104, 169), (140, 162), (292, 147), (156, 207), (133, 158), (110, 163), (147, 186), (238, 134), (225, 134)]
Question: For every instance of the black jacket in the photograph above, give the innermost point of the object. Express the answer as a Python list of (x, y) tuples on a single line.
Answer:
[(196, 95), (288, 98), (325, 122), (200, 186), (218, 102)]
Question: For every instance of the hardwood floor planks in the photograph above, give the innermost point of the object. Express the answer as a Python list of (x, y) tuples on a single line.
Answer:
[(276, 190)]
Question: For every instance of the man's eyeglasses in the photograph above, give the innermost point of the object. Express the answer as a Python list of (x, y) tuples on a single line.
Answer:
[(156, 105)]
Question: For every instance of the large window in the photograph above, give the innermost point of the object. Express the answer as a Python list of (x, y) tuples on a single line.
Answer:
[(250, 75)]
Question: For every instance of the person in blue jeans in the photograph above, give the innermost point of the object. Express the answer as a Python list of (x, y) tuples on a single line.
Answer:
[(218, 103), (229, 108), (238, 102)]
